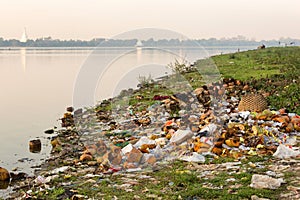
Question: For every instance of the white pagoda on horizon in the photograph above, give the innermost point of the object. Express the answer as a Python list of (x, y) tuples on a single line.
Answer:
[(24, 37), (139, 44)]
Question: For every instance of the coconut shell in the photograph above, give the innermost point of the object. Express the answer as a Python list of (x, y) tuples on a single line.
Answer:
[(4, 174), (86, 157)]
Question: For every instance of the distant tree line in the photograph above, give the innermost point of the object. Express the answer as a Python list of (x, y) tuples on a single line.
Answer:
[(49, 42), (237, 41)]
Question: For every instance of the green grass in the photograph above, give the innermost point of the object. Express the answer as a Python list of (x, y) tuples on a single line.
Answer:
[(220, 160), (53, 194), (258, 63), (171, 181)]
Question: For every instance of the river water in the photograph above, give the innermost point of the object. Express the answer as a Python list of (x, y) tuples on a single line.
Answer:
[(37, 84)]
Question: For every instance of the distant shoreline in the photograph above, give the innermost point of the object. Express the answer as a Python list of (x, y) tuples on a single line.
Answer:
[(49, 42)]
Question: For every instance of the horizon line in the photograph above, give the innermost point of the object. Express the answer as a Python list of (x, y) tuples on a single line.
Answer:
[(236, 38)]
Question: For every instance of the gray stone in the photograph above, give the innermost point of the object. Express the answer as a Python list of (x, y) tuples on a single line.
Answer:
[(283, 152), (197, 158), (263, 181), (180, 136)]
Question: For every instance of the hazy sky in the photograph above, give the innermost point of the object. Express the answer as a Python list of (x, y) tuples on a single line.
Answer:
[(87, 19)]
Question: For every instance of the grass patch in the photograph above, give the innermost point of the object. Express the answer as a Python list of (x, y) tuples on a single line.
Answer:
[(257, 63), (52, 194)]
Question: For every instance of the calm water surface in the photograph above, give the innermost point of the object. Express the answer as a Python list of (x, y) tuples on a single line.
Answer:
[(37, 84)]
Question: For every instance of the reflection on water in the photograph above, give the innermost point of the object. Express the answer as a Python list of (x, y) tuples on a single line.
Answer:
[(23, 58)]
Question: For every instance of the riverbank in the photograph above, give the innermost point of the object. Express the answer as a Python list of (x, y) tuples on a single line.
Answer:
[(136, 145)]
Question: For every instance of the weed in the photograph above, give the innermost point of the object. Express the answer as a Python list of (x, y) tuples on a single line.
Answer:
[(144, 81), (181, 66)]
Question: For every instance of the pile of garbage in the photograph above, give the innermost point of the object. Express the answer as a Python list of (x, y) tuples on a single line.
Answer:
[(195, 126)]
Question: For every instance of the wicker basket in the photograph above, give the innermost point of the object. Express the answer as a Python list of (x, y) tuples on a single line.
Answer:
[(253, 103)]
